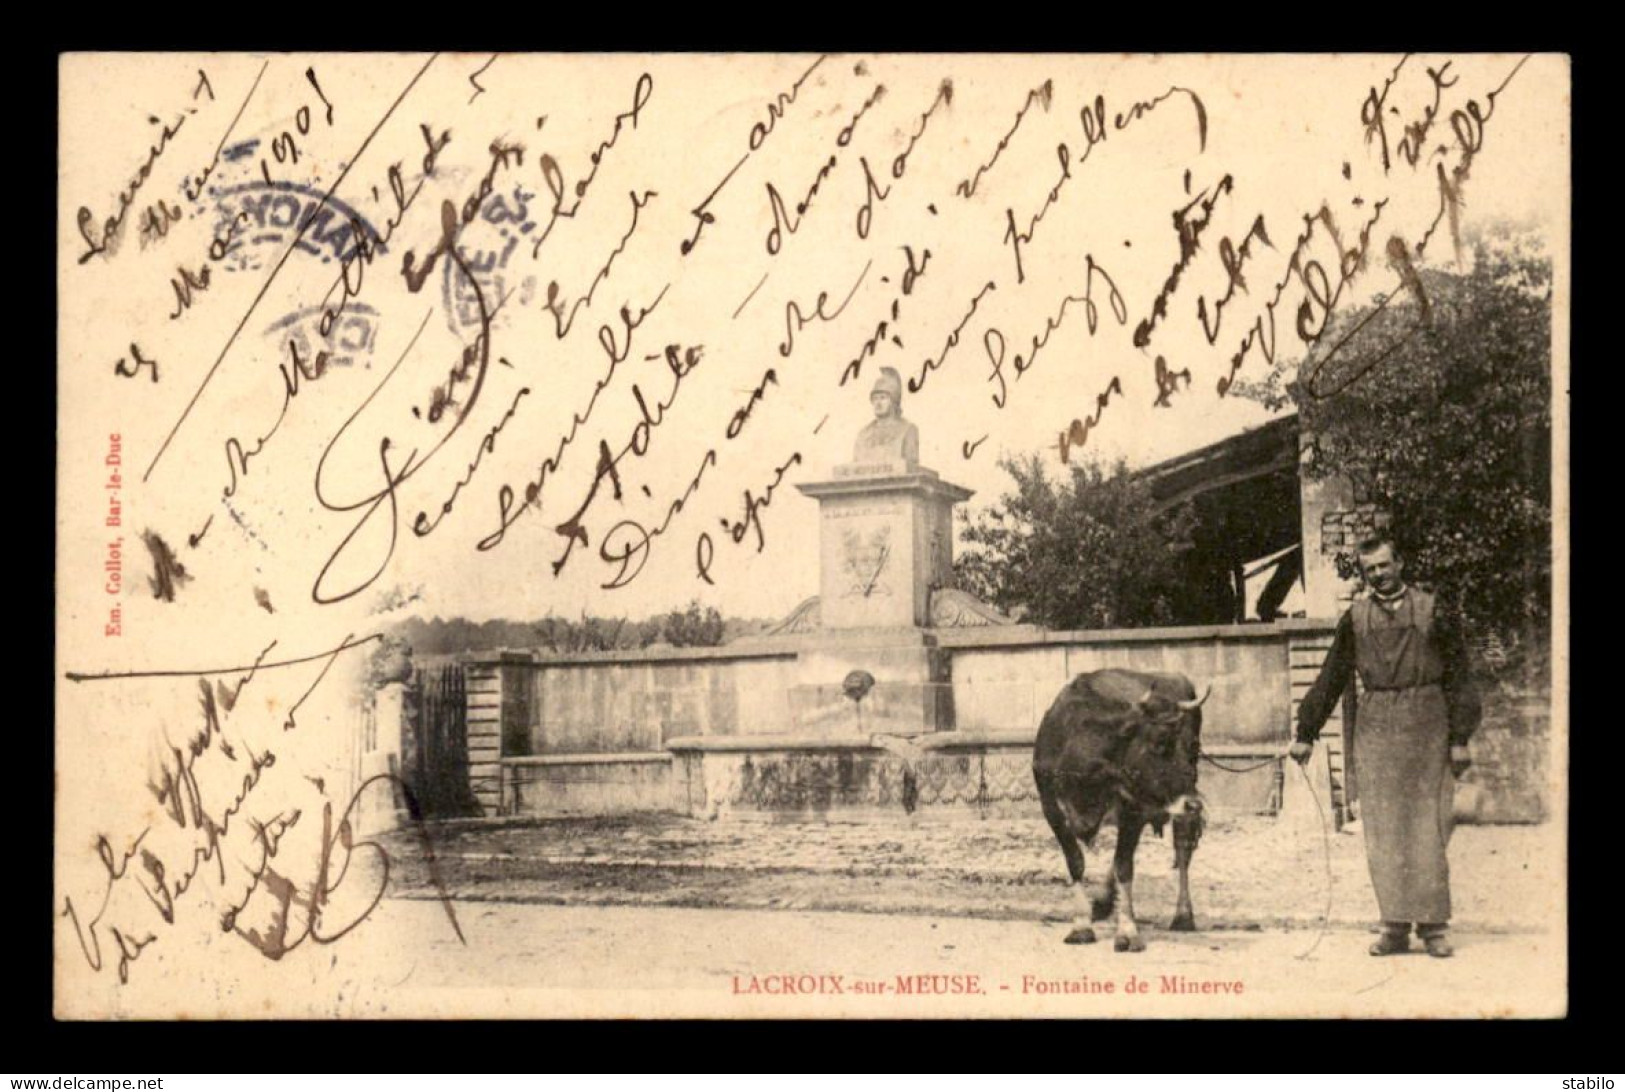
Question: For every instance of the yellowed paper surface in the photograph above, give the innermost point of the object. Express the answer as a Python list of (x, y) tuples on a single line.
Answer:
[(348, 340)]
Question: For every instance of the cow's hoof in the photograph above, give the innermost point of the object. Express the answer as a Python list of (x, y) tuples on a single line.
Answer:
[(1081, 936), (1128, 944), (1183, 923), (1101, 909)]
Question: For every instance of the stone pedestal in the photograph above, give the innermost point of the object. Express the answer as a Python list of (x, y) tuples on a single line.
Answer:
[(886, 541), (886, 538)]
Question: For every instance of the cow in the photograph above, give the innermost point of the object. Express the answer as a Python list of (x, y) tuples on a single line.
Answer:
[(1125, 743)]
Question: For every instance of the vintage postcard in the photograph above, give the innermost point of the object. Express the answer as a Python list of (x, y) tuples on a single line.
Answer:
[(791, 535)]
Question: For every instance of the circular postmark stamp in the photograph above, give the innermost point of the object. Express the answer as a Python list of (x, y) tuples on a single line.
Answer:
[(348, 342), (492, 248), (261, 219), (256, 221)]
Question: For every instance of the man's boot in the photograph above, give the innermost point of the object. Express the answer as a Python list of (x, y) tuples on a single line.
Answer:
[(1394, 939), (1437, 940)]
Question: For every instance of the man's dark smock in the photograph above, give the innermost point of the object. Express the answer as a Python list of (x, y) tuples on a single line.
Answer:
[(1417, 702)]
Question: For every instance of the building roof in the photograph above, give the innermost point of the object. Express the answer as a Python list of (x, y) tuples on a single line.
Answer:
[(1261, 452), (1246, 495)]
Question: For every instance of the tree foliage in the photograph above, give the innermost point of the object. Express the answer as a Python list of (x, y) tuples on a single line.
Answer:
[(390, 661), (1087, 550), (1438, 407), (693, 626)]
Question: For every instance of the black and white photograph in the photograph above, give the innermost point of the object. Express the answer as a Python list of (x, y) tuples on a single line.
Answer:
[(796, 535)]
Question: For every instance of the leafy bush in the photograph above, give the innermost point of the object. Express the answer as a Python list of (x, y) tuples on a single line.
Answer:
[(1439, 409), (1085, 551)]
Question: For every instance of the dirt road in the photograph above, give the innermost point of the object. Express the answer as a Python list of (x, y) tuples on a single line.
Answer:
[(526, 959), (1250, 872), (912, 918)]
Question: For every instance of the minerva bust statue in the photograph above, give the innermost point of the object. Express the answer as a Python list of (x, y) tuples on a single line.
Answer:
[(888, 438)]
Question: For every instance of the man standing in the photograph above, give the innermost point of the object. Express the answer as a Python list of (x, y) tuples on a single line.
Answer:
[(1417, 712)]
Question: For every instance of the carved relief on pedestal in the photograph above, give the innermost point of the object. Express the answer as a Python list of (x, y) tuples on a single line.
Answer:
[(866, 562)]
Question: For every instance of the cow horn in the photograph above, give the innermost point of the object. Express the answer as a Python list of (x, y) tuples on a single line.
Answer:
[(1145, 698), (1196, 703)]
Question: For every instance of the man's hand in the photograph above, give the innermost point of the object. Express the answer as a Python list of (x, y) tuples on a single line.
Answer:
[(1460, 760), (1300, 752)]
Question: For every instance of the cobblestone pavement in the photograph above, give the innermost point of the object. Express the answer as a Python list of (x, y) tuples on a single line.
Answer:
[(1248, 872)]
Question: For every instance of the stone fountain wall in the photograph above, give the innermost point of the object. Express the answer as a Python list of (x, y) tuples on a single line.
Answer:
[(735, 731)]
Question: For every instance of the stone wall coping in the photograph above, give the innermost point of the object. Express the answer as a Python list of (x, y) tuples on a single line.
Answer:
[(605, 758), (943, 741), (930, 741), (651, 655), (1308, 625), (786, 646), (1024, 635), (771, 743)]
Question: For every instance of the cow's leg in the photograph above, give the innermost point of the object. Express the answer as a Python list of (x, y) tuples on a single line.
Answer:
[(1082, 931), (1101, 907), (1128, 839), (1058, 822), (1187, 833)]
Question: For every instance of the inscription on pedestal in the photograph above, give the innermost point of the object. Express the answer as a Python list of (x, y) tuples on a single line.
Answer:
[(871, 470)]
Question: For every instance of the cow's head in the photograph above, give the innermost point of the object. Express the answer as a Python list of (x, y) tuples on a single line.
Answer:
[(1164, 741)]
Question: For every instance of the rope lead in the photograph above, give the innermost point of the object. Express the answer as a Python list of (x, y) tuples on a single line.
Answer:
[(1326, 845)]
